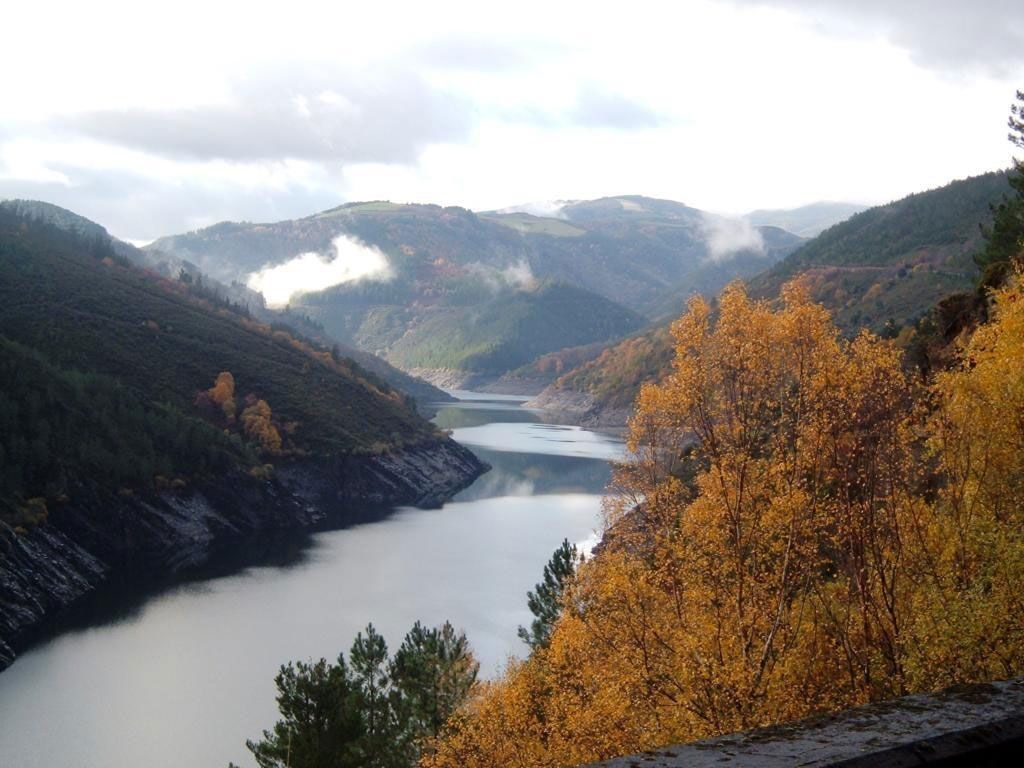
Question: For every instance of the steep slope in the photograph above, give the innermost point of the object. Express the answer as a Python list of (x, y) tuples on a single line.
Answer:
[(807, 220), (171, 266), (114, 456), (883, 268), (600, 391), (891, 263), (638, 252), (92, 313)]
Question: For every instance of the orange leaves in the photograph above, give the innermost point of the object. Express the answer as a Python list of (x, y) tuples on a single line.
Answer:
[(222, 393), (782, 542), (256, 418), (257, 425)]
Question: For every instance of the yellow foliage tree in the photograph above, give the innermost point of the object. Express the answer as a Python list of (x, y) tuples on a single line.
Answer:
[(970, 617), (222, 393), (257, 424), (776, 546)]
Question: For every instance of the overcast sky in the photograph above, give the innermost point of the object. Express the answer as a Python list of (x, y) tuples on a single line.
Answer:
[(160, 118)]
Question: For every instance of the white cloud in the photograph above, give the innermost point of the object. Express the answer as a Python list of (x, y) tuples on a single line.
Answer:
[(351, 261), (518, 276), (550, 209), (725, 237), (727, 106)]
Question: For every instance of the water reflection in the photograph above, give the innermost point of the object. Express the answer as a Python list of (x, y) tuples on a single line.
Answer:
[(181, 674)]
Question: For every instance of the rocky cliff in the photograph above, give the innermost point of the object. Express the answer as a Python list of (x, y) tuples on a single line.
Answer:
[(87, 541)]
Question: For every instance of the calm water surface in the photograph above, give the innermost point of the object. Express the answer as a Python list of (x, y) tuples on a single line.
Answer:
[(183, 677)]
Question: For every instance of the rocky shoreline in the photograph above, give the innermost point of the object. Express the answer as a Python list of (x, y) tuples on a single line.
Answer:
[(86, 542), (581, 409)]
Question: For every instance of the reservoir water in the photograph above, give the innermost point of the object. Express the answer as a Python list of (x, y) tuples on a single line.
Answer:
[(183, 675)]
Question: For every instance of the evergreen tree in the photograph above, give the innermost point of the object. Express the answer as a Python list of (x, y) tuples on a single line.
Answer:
[(321, 726), (1005, 238), (546, 601), (432, 673), (369, 662), (373, 712)]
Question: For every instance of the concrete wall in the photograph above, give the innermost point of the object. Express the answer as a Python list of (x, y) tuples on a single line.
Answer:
[(977, 726)]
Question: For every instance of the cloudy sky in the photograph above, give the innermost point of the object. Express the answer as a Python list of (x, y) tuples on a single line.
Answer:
[(160, 118)]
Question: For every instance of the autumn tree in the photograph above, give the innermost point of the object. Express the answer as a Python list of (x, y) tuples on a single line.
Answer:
[(751, 571), (970, 612), (222, 394), (258, 425)]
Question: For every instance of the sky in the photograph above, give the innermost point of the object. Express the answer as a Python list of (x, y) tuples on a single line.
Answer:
[(154, 119)]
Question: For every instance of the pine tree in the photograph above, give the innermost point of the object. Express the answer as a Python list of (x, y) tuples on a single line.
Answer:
[(1005, 238), (321, 724), (432, 673), (546, 601), (379, 746)]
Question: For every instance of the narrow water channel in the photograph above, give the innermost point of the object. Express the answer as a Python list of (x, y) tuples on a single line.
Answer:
[(184, 676)]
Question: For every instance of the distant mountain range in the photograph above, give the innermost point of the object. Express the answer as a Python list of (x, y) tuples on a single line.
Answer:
[(463, 292), (572, 294), (883, 268), (807, 220)]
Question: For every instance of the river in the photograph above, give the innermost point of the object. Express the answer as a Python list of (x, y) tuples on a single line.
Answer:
[(183, 674)]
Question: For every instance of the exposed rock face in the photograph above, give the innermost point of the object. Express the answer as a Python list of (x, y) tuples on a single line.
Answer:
[(87, 541)]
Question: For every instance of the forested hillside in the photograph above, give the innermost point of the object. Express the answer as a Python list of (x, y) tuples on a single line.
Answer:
[(891, 263), (448, 268), (487, 338), (115, 376), (884, 269)]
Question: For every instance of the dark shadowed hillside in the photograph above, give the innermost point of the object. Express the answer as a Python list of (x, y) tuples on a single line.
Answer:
[(891, 263)]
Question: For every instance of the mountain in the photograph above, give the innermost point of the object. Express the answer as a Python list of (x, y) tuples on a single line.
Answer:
[(233, 292), (441, 269), (493, 337), (807, 220), (119, 452), (890, 264), (599, 392), (883, 268)]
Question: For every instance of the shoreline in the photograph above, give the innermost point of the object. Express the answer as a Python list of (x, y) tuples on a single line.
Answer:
[(93, 542)]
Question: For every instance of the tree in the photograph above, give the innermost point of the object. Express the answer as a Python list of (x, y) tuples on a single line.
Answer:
[(320, 724), (379, 746), (752, 562), (1005, 237), (432, 673), (222, 393), (373, 712), (546, 601), (258, 425)]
